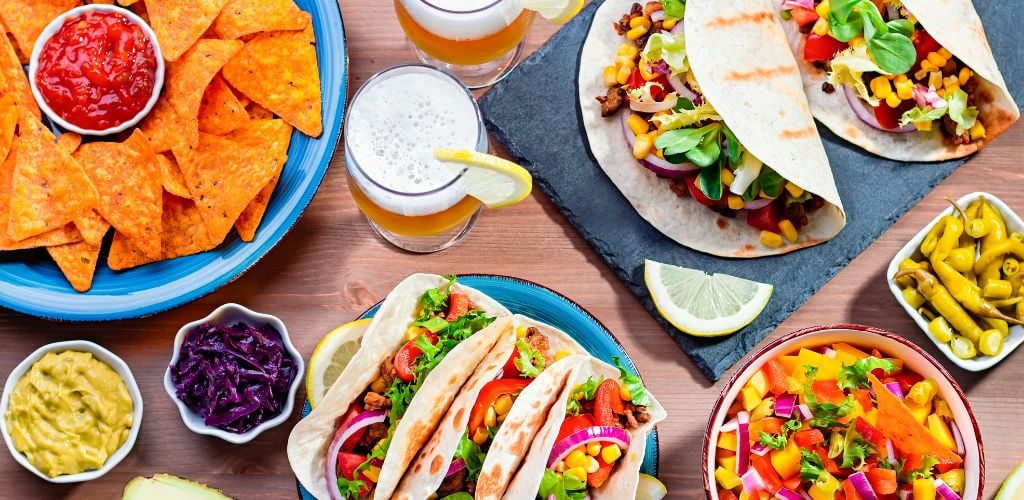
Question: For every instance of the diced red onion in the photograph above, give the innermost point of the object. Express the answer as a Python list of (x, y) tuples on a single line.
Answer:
[(757, 203), (868, 116), (784, 405), (729, 426), (943, 491), (347, 430), (890, 453), (660, 68), (752, 482), (894, 387), (604, 433), (678, 28), (959, 438), (759, 449), (805, 4), (681, 89), (928, 97), (742, 442), (786, 494), (805, 412), (658, 15), (804, 495), (657, 165), (457, 465), (861, 485)]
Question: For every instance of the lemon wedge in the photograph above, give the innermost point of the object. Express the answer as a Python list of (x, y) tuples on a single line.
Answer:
[(649, 488), (558, 11), (1013, 487), (704, 305), (494, 181), (331, 356)]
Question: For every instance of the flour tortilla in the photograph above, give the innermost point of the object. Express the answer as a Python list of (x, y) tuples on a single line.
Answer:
[(740, 59), (624, 479), (510, 444), (956, 26), (311, 437)]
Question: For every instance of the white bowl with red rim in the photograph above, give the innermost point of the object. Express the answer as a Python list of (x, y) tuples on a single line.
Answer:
[(51, 29), (865, 338)]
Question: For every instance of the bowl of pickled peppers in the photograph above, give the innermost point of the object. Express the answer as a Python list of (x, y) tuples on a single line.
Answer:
[(962, 281)]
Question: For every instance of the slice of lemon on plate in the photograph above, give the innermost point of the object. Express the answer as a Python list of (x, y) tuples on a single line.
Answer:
[(558, 11), (649, 488), (1013, 487), (331, 356), (494, 181), (704, 305)]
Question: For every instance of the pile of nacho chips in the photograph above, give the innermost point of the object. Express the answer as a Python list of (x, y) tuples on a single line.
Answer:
[(240, 74)]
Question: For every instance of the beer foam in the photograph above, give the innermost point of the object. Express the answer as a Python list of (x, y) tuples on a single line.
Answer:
[(393, 128), (463, 19)]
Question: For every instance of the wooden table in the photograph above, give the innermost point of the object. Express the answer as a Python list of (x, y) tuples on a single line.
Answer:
[(332, 267)]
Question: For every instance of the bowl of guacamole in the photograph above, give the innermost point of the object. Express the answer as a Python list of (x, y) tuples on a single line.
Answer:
[(70, 411)]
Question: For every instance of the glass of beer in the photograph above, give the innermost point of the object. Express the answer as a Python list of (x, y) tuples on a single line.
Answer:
[(479, 41), (394, 123)]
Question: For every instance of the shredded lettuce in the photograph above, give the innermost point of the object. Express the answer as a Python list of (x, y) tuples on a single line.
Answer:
[(584, 392), (470, 453), (643, 95), (919, 114), (666, 47), (530, 361), (963, 115), (683, 117), (856, 375), (848, 68), (637, 392)]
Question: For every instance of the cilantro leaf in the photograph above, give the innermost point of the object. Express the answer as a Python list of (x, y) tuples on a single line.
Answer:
[(637, 392), (530, 361), (582, 392), (856, 375), (470, 453), (564, 487), (350, 488), (811, 466)]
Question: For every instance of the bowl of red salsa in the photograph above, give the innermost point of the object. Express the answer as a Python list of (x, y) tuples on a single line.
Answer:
[(96, 69)]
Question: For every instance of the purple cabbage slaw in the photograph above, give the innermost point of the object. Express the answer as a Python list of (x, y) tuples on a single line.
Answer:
[(234, 377)]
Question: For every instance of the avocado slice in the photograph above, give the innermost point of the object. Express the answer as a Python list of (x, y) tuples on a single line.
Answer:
[(169, 487)]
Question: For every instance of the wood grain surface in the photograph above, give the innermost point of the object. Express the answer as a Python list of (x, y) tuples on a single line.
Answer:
[(332, 267)]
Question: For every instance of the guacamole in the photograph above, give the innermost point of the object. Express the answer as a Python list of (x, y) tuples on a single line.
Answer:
[(69, 413)]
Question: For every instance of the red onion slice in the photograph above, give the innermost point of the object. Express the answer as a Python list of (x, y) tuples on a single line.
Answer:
[(890, 453), (805, 412), (658, 15), (742, 442), (682, 89), (759, 449), (943, 491), (868, 116), (894, 387), (654, 107), (785, 494), (959, 438), (729, 426), (757, 203), (784, 405), (678, 28), (604, 433), (457, 465), (344, 432), (752, 482), (860, 483), (657, 165)]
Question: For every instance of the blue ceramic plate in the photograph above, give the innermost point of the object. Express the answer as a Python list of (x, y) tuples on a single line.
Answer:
[(546, 305), (31, 283)]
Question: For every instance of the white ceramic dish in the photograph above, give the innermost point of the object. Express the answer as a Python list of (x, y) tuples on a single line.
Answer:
[(101, 354), (229, 314), (865, 337), (1016, 336), (52, 29)]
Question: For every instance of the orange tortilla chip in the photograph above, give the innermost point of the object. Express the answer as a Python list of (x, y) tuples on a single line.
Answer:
[(126, 3), (179, 23), (130, 187), (26, 18), (188, 77), (220, 112), (66, 234), (279, 71), (244, 17), (907, 435), (93, 228), (249, 221), (184, 234), (78, 263), (68, 142), (49, 188), (166, 130), (173, 181), (225, 173), (8, 122), (12, 76), (257, 112)]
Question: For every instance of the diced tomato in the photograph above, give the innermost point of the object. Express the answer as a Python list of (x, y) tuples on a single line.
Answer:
[(822, 47), (770, 425), (765, 218), (808, 437), (510, 370), (864, 398), (924, 44), (636, 80), (573, 424), (907, 379), (849, 491), (596, 479), (347, 464), (458, 304), (890, 117), (608, 403), (793, 483), (405, 360), (353, 411), (724, 494), (944, 468), (767, 471), (830, 465), (913, 461), (803, 17), (778, 380), (828, 391), (489, 393), (699, 195), (883, 481), (869, 432)]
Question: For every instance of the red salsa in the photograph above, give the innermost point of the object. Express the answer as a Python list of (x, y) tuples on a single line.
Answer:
[(98, 71)]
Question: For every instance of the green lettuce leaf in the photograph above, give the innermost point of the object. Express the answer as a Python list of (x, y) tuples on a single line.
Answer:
[(926, 114), (564, 487), (681, 118), (637, 392), (666, 47), (848, 68), (965, 116), (856, 375), (529, 362)]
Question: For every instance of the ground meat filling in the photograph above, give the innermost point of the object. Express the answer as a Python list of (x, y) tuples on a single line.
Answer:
[(387, 370), (373, 401), (452, 484), (539, 343), (633, 417), (373, 435), (613, 101)]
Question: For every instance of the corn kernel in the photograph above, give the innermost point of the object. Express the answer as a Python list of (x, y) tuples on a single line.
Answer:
[(668, 23), (900, 78), (858, 42), (822, 9), (560, 466), (638, 21), (609, 76), (490, 418), (372, 473), (628, 50), (636, 33), (594, 449), (622, 75), (964, 76), (923, 126), (727, 177), (794, 190), (642, 146), (480, 435), (735, 202), (820, 27), (893, 100), (880, 86), (624, 393), (921, 74), (935, 79), (576, 458), (378, 385), (951, 82), (787, 229), (562, 354), (646, 73), (521, 331), (977, 131), (905, 89), (927, 65), (945, 53), (625, 61), (770, 239), (592, 465), (637, 124), (611, 453), (577, 472), (503, 404), (937, 59)]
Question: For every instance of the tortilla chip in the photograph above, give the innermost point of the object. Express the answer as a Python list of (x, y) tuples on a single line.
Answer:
[(166, 130), (279, 71), (93, 227), (68, 142), (187, 79), (12, 76), (257, 112), (129, 182), (249, 221), (178, 24), (244, 17), (220, 112), (225, 173), (78, 263), (8, 122), (184, 234), (49, 188), (899, 425), (126, 3), (66, 234), (173, 181), (26, 18)]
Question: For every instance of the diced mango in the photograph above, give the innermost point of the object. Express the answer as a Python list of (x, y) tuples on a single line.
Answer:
[(759, 382), (941, 432), (787, 460), (849, 349), (727, 440), (728, 462), (727, 478), (805, 357), (828, 368), (924, 489), (920, 412), (871, 416), (749, 398), (790, 363)]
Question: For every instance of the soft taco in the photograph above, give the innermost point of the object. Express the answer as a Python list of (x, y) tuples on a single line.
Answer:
[(594, 439), (486, 432), (706, 129), (423, 344), (913, 80)]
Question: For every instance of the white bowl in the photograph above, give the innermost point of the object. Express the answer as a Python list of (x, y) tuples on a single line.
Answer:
[(52, 29), (101, 354), (1016, 336), (865, 337), (229, 314)]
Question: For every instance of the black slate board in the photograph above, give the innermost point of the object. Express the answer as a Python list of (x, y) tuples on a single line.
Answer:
[(534, 113)]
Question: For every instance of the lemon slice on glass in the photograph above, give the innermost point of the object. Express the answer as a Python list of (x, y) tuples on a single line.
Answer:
[(1013, 487), (331, 356), (649, 488), (558, 11), (704, 305), (494, 181)]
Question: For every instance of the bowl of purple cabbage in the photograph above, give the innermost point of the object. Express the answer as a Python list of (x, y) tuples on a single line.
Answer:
[(234, 373)]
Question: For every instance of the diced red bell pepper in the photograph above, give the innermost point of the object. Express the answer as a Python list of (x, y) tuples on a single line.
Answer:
[(778, 380), (924, 44), (405, 359), (765, 218), (890, 117), (907, 379), (802, 17), (767, 471), (724, 494), (863, 396), (822, 47), (912, 461), (793, 483), (770, 425), (608, 403), (510, 370), (883, 481), (869, 432), (458, 304), (830, 465), (347, 464), (808, 437), (828, 391), (849, 491), (491, 392), (658, 92), (596, 479), (944, 468)]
